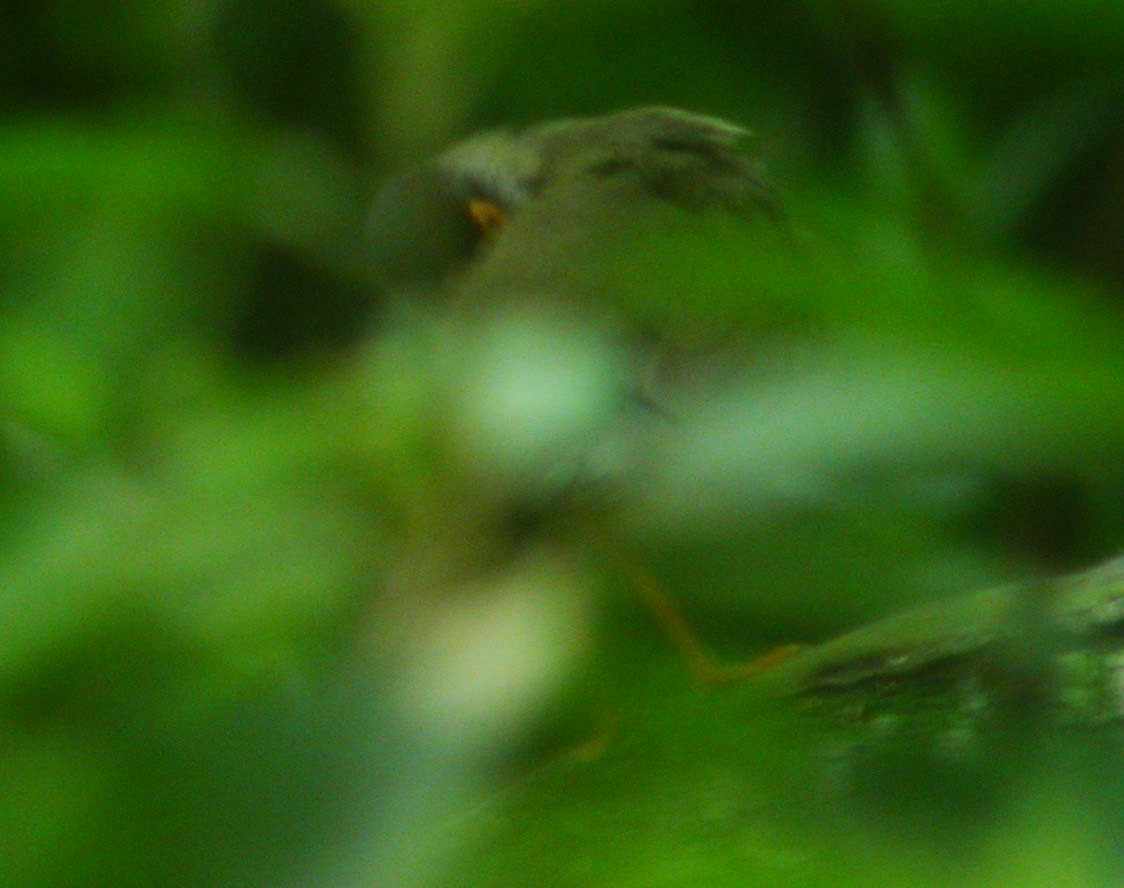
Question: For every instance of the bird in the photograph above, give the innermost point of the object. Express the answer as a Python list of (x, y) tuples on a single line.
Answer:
[(515, 209), (568, 217), (542, 228)]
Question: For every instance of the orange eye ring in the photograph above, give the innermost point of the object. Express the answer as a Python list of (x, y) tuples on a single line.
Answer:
[(487, 216)]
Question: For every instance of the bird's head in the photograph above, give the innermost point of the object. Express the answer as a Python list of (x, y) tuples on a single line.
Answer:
[(521, 202)]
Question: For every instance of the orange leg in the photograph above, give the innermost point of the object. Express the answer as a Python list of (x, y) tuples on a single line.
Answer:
[(593, 747), (702, 663)]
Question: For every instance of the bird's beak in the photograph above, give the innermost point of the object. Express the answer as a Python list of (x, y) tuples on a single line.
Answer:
[(489, 217)]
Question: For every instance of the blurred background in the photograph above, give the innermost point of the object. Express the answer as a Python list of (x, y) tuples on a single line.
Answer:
[(218, 448)]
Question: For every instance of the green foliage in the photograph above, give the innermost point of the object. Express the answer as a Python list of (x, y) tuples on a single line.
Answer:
[(302, 586)]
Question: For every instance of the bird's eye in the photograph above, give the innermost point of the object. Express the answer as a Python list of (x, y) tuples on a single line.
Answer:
[(489, 217)]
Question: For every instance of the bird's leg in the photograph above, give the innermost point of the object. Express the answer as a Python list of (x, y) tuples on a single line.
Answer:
[(704, 666), (594, 746)]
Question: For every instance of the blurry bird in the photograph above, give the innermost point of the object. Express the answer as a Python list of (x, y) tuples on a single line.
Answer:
[(531, 228), (559, 218), (521, 210)]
